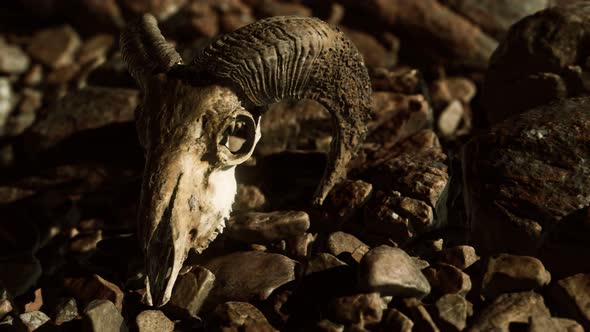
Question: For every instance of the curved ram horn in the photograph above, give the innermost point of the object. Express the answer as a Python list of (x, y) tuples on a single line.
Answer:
[(145, 50), (296, 57)]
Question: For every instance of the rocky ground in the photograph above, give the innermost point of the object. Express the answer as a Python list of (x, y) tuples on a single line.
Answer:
[(467, 207)]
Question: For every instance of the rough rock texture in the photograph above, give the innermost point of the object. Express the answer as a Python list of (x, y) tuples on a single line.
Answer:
[(460, 257), (153, 321), (250, 275), (452, 312), (509, 273), (340, 242), (572, 296), (95, 287), (360, 308), (447, 279), (265, 227), (346, 200), (390, 271), (395, 320), (67, 310), (527, 186), (190, 291), (508, 309), (321, 262), (101, 315), (541, 59), (239, 316)]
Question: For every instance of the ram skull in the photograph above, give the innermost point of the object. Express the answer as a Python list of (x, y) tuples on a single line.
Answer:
[(198, 121)]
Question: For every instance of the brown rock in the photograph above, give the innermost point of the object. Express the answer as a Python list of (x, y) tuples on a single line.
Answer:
[(249, 198), (509, 273), (5, 303), (340, 242), (452, 311), (460, 257), (102, 315), (420, 316), (572, 297), (509, 308), (390, 271), (55, 47), (531, 68), (444, 91), (447, 279), (321, 262), (553, 324), (95, 47), (326, 325), (12, 59), (37, 302), (402, 80), (359, 308), (299, 247), (34, 76), (374, 53), (162, 9), (240, 316), (197, 18), (65, 311), (269, 8), (63, 74), (265, 227), (346, 199), (450, 118), (526, 188), (250, 275), (91, 288), (153, 321), (190, 291), (395, 320)]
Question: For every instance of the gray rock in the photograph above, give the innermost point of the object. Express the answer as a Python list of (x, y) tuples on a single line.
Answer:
[(447, 279), (250, 275), (240, 316), (340, 242), (190, 291), (55, 47), (460, 257), (101, 316), (390, 271), (153, 321), (321, 262), (509, 308), (34, 319), (506, 273), (12, 59), (452, 311), (395, 320), (572, 297), (359, 308), (265, 227), (66, 310)]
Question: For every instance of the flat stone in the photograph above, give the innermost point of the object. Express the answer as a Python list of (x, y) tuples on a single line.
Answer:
[(322, 262), (460, 257), (12, 59), (507, 309), (390, 271), (341, 242), (447, 279), (572, 297), (190, 291), (265, 227), (452, 311), (506, 273), (102, 315), (94, 287), (250, 275), (55, 47), (395, 320), (34, 319), (249, 198), (153, 321), (65, 311), (359, 308), (241, 316)]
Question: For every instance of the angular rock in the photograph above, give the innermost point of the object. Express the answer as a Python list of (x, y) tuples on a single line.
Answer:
[(249, 198), (66, 310), (34, 319), (360, 308), (153, 321), (390, 271), (85, 109), (12, 59), (447, 279), (86, 289), (37, 302), (340, 242), (190, 291), (452, 311), (95, 47), (572, 297), (55, 47), (7, 101), (346, 199), (506, 273), (450, 118), (553, 324), (321, 262), (530, 67), (420, 316), (240, 316), (250, 275), (265, 227), (507, 309), (526, 187), (460, 257), (299, 247), (102, 315), (5, 303), (34, 76), (395, 320)]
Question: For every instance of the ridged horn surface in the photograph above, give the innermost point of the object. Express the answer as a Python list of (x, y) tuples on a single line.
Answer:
[(145, 50), (296, 57)]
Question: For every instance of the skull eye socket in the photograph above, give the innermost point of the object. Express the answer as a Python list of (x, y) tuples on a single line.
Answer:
[(236, 140)]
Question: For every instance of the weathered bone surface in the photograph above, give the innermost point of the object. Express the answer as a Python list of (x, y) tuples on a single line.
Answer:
[(189, 115)]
